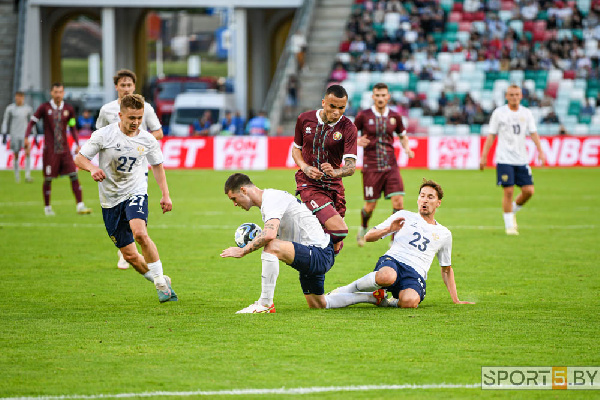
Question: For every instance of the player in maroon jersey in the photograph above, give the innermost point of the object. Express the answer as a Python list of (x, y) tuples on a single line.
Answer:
[(57, 117), (324, 138), (380, 168)]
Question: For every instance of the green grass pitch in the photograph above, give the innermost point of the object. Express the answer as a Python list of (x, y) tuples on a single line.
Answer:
[(73, 324)]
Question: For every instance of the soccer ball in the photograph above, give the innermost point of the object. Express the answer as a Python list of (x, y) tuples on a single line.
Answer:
[(245, 233)]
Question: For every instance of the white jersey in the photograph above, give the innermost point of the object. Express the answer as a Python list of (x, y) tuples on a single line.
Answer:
[(109, 114), (15, 120), (297, 223), (418, 242), (511, 128), (122, 158)]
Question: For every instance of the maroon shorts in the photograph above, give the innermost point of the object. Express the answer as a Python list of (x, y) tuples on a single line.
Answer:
[(324, 202), (58, 164), (389, 182)]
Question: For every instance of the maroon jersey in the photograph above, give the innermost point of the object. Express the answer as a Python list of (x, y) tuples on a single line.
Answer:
[(379, 154), (324, 143), (56, 121)]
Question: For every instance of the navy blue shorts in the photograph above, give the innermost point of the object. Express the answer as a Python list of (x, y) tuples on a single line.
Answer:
[(510, 175), (312, 262), (406, 277), (116, 219)]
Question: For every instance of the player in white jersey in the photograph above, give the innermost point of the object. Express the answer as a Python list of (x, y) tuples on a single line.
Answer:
[(402, 270), (123, 188), (14, 124), (512, 123), (291, 234), (124, 81)]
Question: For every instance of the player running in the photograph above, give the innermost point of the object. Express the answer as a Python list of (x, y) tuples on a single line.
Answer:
[(380, 171), (123, 148), (324, 138)]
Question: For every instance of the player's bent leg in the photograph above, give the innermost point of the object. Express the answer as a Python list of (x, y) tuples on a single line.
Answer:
[(526, 193), (140, 234), (315, 301), (386, 276), (133, 257), (283, 250), (408, 298)]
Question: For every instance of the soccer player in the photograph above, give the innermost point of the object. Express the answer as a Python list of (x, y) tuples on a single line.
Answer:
[(291, 234), (323, 139), (14, 125), (402, 270), (380, 171), (123, 188), (124, 81), (511, 123), (57, 159)]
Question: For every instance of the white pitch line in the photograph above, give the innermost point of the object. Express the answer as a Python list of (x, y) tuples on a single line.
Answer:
[(246, 392)]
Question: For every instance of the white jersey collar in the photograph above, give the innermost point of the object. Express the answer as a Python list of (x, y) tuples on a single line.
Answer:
[(54, 106), (321, 121), (385, 112)]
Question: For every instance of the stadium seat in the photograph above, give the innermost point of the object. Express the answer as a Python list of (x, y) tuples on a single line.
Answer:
[(580, 84), (436, 130), (595, 130), (555, 75), (552, 89), (581, 129), (415, 112), (569, 74), (455, 17), (577, 94), (517, 26), (464, 26), (463, 130), (426, 121), (528, 26), (516, 76), (505, 15)]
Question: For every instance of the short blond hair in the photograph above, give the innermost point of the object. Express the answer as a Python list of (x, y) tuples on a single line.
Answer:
[(132, 101)]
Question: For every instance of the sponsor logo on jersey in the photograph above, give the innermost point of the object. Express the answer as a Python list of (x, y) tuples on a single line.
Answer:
[(392, 121), (337, 135), (371, 122), (308, 130)]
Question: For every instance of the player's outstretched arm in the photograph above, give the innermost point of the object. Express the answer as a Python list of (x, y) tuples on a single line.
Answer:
[(448, 277), (83, 163), (268, 233), (375, 234), (161, 178)]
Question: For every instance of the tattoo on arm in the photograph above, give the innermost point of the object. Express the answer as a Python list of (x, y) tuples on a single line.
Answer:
[(348, 168), (261, 240)]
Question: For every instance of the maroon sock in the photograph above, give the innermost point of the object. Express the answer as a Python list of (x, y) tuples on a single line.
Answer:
[(47, 189), (76, 190), (365, 217)]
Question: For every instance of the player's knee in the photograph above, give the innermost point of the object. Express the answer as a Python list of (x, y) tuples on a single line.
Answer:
[(408, 303), (273, 248), (385, 277), (130, 256), (141, 236), (528, 191), (409, 298), (73, 176), (370, 207)]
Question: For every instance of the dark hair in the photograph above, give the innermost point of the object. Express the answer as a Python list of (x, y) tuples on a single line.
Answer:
[(124, 73), (56, 84), (381, 85), (132, 101), (433, 185), (236, 181), (336, 90)]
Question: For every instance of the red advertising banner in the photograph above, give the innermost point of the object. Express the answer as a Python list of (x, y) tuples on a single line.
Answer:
[(258, 153)]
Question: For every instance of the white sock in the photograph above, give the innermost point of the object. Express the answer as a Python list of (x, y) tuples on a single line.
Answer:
[(393, 302), (27, 170), (508, 220), (516, 207), (148, 275), (339, 300), (268, 278), (156, 271), (48, 208), (364, 284)]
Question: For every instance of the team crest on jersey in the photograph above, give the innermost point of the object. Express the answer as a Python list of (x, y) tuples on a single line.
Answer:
[(435, 236), (337, 135), (371, 122), (392, 121), (141, 149), (66, 113), (308, 130), (49, 112), (504, 178)]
